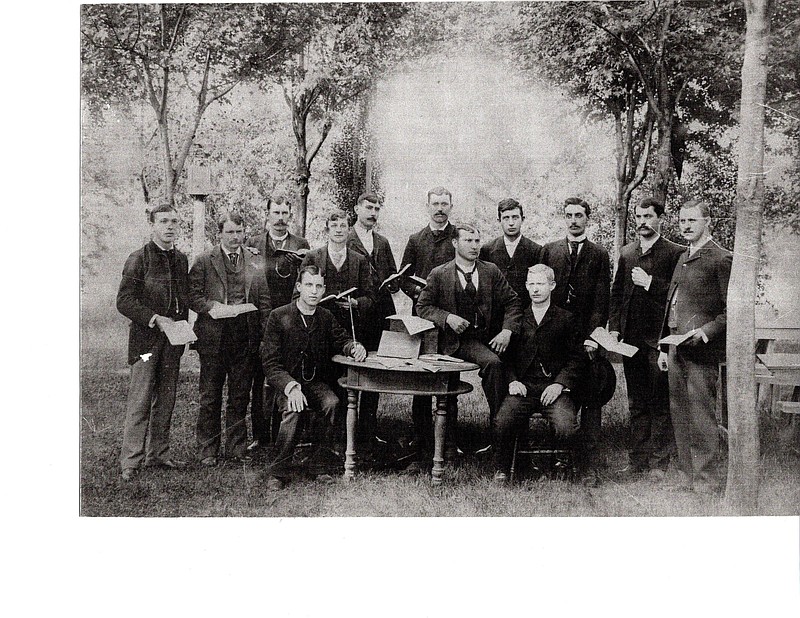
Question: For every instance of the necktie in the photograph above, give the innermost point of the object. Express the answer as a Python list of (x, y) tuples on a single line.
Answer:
[(470, 287), (574, 247), (234, 258)]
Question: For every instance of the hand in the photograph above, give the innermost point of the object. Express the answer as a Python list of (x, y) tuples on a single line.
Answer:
[(252, 250), (359, 352), (590, 351), (500, 341), (614, 334), (160, 321), (695, 339), (551, 393), (640, 277), (293, 258), (457, 323), (663, 364), (518, 389), (297, 400)]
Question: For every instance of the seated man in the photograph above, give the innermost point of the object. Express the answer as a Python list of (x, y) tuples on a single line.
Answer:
[(546, 367), (299, 340)]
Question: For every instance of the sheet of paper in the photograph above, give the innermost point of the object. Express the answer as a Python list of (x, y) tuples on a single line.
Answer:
[(220, 311), (607, 341), (414, 324), (439, 358), (675, 339), (179, 333), (391, 278)]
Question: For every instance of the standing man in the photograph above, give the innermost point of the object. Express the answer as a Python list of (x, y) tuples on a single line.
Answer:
[(364, 240), (227, 275), (583, 271), (638, 300), (697, 304), (547, 366), (153, 292), (281, 272), (512, 252), (299, 341), (430, 247), (342, 269), (476, 312)]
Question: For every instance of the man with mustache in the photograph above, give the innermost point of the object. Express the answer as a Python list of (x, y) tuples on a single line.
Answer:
[(223, 276), (583, 271), (476, 312), (638, 300), (153, 292), (364, 240), (697, 305), (425, 250), (280, 269), (512, 252)]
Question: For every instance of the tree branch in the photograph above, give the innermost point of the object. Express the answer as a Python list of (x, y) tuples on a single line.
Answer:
[(326, 127), (177, 27)]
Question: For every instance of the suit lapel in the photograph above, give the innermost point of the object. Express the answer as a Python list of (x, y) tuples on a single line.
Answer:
[(219, 266), (249, 266), (484, 299)]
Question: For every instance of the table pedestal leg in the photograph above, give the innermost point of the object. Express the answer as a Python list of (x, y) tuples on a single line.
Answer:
[(350, 451), (439, 425)]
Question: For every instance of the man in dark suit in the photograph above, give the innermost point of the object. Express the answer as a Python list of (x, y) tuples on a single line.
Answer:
[(512, 252), (342, 268), (583, 271), (425, 250), (547, 366), (364, 240), (638, 299), (299, 341), (476, 312), (697, 306), (280, 268), (153, 292), (226, 275)]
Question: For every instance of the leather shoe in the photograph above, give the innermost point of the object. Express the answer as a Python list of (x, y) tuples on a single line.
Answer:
[(500, 478), (242, 459), (325, 478), (275, 484), (209, 462), (128, 474), (169, 463), (657, 475)]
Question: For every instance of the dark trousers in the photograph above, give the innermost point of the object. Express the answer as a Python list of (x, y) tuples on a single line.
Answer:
[(235, 364), (652, 440), (367, 426), (319, 414), (151, 399), (512, 421), (262, 406), (492, 372), (692, 405)]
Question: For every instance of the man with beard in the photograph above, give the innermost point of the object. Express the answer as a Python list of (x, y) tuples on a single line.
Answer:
[(512, 252), (275, 246), (638, 300)]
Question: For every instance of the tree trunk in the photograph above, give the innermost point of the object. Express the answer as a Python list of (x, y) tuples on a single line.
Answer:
[(621, 219), (664, 167), (743, 462)]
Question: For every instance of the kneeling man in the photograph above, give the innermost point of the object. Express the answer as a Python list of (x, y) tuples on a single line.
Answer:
[(299, 341), (545, 369)]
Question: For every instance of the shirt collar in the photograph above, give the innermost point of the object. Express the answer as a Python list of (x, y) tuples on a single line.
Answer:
[(703, 243), (362, 231), (226, 252), (279, 239), (156, 243), (580, 238), (512, 243), (337, 252), (433, 229)]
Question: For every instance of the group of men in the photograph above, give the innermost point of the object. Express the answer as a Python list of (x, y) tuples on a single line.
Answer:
[(522, 312)]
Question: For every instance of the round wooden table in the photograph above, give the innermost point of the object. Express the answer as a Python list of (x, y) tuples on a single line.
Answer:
[(415, 378)]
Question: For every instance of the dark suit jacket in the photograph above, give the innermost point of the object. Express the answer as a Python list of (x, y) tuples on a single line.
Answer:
[(552, 347), (358, 276), (425, 252), (280, 270), (497, 302), (644, 324), (381, 265), (287, 344), (514, 269), (145, 291), (208, 282), (699, 287), (591, 282)]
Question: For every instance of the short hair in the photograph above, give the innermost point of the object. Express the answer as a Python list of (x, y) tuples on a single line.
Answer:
[(368, 197), (704, 207), (576, 201), (163, 207), (543, 268), (232, 216), (279, 201), (465, 227), (311, 269), (651, 202), (439, 191), (337, 215), (509, 203)]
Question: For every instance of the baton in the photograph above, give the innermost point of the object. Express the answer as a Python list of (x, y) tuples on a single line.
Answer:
[(352, 322)]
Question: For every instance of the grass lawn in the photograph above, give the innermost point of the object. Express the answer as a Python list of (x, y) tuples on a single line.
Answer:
[(239, 490)]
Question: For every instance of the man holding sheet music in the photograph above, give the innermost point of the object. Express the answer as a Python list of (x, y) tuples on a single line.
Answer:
[(697, 314), (153, 294), (229, 292), (364, 240), (638, 300)]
